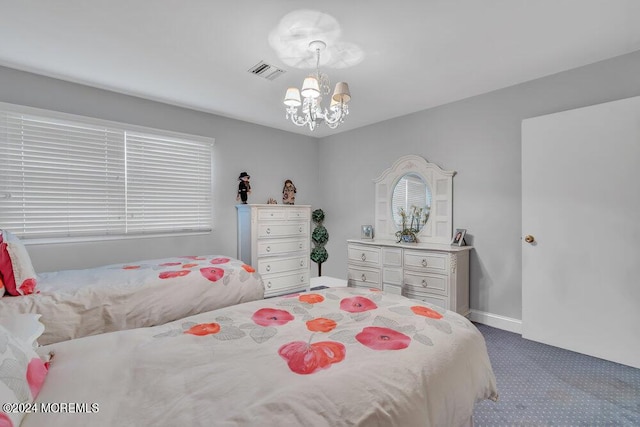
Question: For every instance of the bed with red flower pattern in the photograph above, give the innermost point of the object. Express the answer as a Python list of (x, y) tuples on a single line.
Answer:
[(77, 303), (336, 357)]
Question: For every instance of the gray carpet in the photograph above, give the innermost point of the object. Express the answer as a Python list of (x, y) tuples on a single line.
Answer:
[(541, 385)]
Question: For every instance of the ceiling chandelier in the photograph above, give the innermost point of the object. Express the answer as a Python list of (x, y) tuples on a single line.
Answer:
[(313, 88)]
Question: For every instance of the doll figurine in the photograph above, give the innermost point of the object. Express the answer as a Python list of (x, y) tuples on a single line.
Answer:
[(289, 193), (244, 187)]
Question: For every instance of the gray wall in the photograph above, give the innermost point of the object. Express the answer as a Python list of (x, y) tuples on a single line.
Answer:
[(479, 138), (270, 156)]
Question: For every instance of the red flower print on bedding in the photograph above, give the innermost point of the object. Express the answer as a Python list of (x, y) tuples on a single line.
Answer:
[(248, 268), (212, 273), (321, 324), (271, 317), (377, 338), (311, 298), (304, 358), (195, 258), (204, 329), (28, 286), (172, 274), (130, 267), (36, 373), (170, 264), (357, 304), (191, 265), (220, 260), (5, 421), (426, 312)]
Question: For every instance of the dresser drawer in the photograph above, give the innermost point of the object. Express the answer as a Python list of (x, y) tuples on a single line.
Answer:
[(364, 255), (363, 277), (267, 214), (278, 284), (302, 214), (281, 246), (426, 261), (392, 289), (424, 282), (281, 265), (392, 257), (392, 276), (283, 229), (437, 300)]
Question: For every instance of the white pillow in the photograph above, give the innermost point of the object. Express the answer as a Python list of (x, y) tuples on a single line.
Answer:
[(25, 327), (22, 374)]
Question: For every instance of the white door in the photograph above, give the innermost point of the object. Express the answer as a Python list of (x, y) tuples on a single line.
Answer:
[(581, 204)]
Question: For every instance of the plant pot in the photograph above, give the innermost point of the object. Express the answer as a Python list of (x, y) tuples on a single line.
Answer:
[(408, 238)]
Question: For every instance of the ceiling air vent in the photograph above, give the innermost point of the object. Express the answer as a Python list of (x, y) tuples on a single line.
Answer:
[(267, 71)]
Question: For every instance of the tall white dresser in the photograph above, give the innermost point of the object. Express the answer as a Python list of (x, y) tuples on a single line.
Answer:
[(435, 273), (275, 240)]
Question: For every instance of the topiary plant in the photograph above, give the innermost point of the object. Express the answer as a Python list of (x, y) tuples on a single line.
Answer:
[(320, 236)]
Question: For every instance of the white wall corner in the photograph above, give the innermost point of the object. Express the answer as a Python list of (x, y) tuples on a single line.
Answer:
[(496, 321)]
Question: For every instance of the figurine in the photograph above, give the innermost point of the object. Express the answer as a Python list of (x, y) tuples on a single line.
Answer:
[(272, 201), (289, 193), (244, 187)]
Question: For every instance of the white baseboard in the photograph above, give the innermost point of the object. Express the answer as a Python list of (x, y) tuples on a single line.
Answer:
[(496, 321)]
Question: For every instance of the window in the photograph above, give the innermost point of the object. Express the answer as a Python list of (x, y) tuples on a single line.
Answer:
[(66, 176)]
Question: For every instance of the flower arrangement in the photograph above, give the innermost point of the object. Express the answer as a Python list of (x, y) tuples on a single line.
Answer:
[(417, 218)]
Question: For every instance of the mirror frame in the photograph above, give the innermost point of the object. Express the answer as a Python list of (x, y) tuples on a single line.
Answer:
[(439, 227)]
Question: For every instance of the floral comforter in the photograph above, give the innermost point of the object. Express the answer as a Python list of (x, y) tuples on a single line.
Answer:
[(336, 357), (77, 303)]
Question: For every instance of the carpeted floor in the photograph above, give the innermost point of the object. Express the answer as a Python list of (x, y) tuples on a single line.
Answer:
[(541, 385)]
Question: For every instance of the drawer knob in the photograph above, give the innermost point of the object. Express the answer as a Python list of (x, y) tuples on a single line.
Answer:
[(268, 284), (300, 229), (364, 278), (364, 257), (268, 268), (424, 283), (300, 245), (268, 248), (301, 278), (301, 262), (268, 231), (424, 262)]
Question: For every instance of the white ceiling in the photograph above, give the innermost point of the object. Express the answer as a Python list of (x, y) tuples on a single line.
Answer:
[(416, 54)]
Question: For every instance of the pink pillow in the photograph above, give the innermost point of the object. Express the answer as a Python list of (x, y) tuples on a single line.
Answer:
[(6, 270), (15, 264)]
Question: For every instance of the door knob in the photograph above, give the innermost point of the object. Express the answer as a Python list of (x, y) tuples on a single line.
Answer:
[(529, 238)]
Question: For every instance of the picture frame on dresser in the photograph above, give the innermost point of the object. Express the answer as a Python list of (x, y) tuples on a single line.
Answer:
[(366, 232), (458, 237)]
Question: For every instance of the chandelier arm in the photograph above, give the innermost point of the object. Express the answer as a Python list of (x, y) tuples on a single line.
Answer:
[(292, 113)]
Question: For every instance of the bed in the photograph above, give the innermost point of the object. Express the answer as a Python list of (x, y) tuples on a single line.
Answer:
[(76, 303), (334, 357)]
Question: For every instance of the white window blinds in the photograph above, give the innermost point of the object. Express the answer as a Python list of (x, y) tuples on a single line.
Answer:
[(81, 177)]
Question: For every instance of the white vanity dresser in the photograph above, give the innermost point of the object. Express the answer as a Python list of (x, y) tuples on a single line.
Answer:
[(435, 273), (430, 269), (274, 239)]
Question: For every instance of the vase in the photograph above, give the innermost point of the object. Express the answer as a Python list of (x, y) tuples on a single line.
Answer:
[(408, 238)]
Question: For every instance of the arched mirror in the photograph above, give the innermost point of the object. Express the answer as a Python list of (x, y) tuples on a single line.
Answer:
[(411, 202), (418, 195)]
